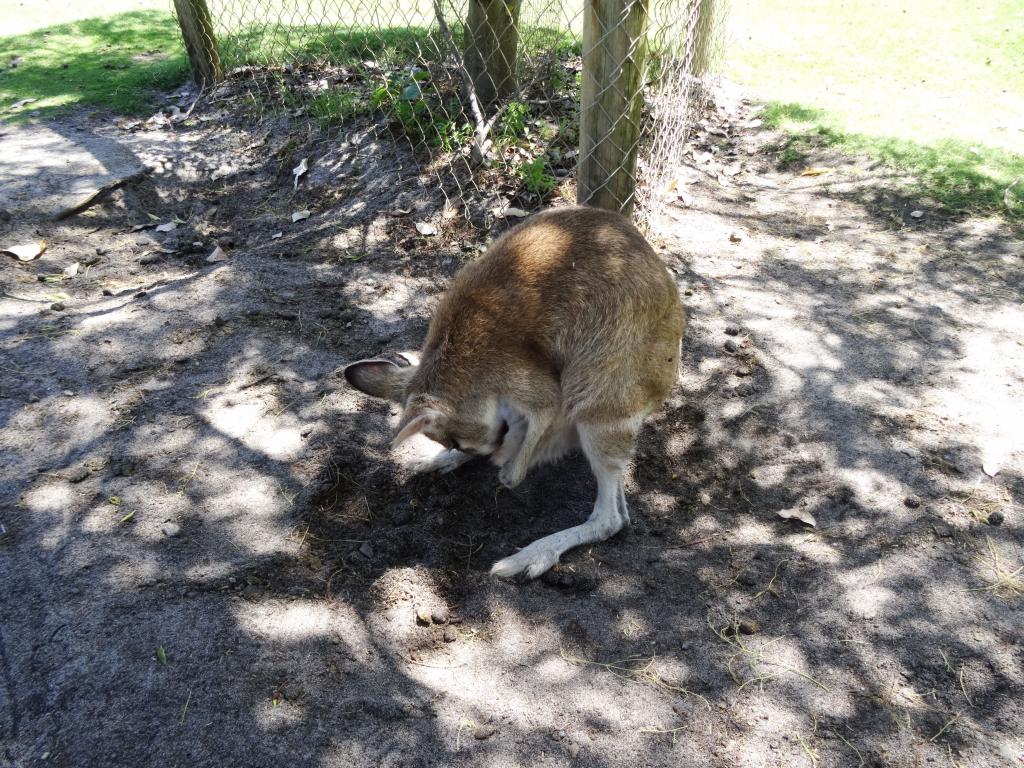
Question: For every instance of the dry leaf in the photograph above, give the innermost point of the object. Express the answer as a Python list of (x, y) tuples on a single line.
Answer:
[(20, 104), (798, 514), (217, 255), (298, 170), (300, 215), (426, 228), (26, 252), (71, 271), (815, 171), (509, 212), (734, 237), (991, 467), (170, 226)]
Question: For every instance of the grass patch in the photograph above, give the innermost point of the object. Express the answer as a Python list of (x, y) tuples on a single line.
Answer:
[(116, 63), (963, 177), (932, 87)]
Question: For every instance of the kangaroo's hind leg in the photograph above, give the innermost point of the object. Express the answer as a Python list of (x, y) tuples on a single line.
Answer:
[(608, 447)]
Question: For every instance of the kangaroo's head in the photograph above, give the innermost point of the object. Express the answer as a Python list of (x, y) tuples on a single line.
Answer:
[(473, 423)]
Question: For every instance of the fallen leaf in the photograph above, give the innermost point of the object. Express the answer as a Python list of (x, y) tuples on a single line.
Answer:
[(298, 170), (26, 252), (20, 104), (127, 517), (991, 467), (217, 255), (426, 228), (399, 211), (170, 226), (315, 563), (300, 215), (422, 615), (798, 514), (815, 171), (509, 212), (71, 271), (917, 214), (734, 237), (161, 655)]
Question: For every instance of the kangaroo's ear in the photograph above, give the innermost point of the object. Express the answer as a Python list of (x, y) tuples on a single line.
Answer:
[(379, 378)]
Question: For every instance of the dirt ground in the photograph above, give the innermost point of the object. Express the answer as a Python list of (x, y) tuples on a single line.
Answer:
[(210, 557)]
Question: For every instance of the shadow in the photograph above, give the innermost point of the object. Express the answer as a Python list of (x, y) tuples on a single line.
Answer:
[(212, 556)]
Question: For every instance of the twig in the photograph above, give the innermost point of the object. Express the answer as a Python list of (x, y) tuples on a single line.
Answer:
[(810, 753), (185, 708), (99, 194)]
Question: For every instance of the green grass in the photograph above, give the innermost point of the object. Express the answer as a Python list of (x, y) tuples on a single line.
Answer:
[(116, 63), (933, 87)]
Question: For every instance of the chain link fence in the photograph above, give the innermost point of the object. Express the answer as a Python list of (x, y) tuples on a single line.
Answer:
[(506, 103)]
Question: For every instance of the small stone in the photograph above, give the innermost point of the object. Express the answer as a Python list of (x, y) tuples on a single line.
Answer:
[(566, 580), (732, 330), (746, 389), (140, 295), (57, 306), (484, 732), (730, 346), (307, 430), (439, 616), (33, 398), (912, 501), (748, 626), (943, 530), (108, 292), (574, 750), (171, 530), (996, 518), (450, 636), (422, 616), (746, 579), (292, 692), (77, 474), (743, 372), (366, 550)]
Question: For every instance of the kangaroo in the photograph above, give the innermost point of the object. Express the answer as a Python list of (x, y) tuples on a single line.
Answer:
[(566, 334)]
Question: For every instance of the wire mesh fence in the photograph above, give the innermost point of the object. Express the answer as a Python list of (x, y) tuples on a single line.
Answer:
[(505, 103)]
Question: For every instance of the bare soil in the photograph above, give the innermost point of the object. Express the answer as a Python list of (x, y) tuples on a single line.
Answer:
[(211, 558)]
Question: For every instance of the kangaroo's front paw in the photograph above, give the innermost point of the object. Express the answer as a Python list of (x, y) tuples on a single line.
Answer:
[(511, 474), (533, 561), (443, 461)]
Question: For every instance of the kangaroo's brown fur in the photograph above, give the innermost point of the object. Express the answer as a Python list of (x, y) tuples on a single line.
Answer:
[(566, 332)]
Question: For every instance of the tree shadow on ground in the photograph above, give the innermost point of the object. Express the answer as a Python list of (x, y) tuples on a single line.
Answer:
[(213, 557)]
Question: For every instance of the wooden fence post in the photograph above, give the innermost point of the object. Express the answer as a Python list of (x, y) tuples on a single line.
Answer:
[(703, 37), (614, 50), (200, 44), (492, 37)]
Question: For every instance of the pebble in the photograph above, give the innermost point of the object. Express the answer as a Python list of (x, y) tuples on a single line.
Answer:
[(574, 750), (366, 550), (912, 501), (730, 346), (484, 732), (996, 518), (732, 330), (57, 306), (944, 530), (170, 529), (77, 474), (108, 292), (439, 616), (450, 636), (748, 626)]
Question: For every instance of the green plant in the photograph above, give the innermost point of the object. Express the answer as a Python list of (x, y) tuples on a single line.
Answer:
[(513, 122), (450, 135), (535, 177)]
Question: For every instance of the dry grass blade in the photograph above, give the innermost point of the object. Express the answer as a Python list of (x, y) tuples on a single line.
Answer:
[(755, 657), (639, 669), (1000, 580)]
